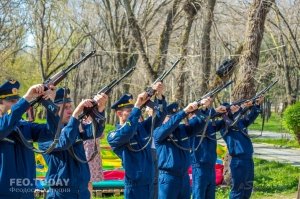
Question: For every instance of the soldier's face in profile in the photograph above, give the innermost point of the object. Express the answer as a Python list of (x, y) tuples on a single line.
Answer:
[(68, 110), (7, 104), (123, 114)]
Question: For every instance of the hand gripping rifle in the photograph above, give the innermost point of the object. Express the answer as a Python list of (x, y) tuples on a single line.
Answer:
[(93, 112), (253, 99), (213, 92), (56, 79), (150, 91), (107, 89)]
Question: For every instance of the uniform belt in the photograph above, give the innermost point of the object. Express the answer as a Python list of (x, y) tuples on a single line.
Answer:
[(201, 136), (176, 140), (242, 156), (135, 143), (8, 140), (203, 164), (176, 174), (134, 183)]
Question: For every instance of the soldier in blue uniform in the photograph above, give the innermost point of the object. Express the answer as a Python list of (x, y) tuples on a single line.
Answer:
[(241, 149), (204, 154), (132, 144), (173, 141), (173, 149), (66, 176), (17, 163)]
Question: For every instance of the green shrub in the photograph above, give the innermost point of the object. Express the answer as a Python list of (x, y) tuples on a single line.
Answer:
[(291, 119)]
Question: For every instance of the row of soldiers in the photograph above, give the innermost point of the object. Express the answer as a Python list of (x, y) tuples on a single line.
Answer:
[(181, 138)]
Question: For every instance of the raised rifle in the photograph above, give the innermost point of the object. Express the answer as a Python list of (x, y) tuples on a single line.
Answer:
[(213, 92), (150, 91), (253, 99), (210, 94), (97, 118), (56, 79), (107, 89)]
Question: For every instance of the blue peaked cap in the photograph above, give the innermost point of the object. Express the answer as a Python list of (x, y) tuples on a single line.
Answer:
[(125, 101)]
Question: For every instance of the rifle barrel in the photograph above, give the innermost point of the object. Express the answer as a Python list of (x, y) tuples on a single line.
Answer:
[(215, 90), (166, 73), (73, 66), (116, 81)]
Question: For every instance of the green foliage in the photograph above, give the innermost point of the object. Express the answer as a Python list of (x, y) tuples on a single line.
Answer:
[(291, 118), (271, 177), (108, 128), (23, 70), (286, 143), (274, 124)]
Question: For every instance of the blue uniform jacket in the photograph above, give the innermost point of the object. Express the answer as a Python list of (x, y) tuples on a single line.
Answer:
[(170, 157), (63, 169), (138, 166), (206, 152), (238, 143), (17, 163)]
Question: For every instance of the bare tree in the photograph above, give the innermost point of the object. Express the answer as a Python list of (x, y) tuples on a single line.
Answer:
[(245, 84), (191, 8), (12, 35), (54, 43), (206, 45)]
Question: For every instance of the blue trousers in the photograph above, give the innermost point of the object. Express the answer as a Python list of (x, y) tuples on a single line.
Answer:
[(204, 181), (242, 171), (173, 187), (68, 193), (138, 191)]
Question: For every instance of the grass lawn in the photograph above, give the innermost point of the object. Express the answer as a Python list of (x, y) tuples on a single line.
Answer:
[(274, 124), (284, 143), (272, 180)]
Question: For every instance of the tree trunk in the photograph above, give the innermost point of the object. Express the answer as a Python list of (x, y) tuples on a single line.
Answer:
[(298, 137), (227, 172), (136, 34), (161, 56), (286, 72), (244, 87), (205, 45), (298, 195), (191, 8)]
